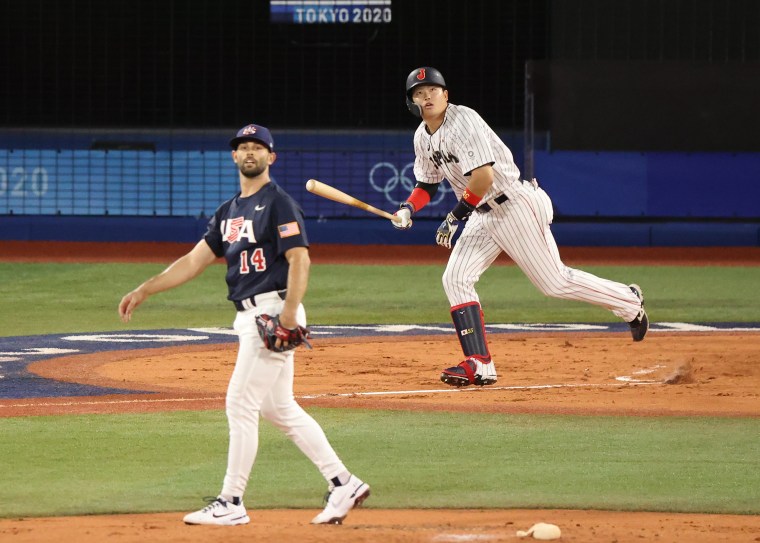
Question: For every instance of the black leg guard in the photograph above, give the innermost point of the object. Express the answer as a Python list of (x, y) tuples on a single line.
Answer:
[(471, 331), (477, 368)]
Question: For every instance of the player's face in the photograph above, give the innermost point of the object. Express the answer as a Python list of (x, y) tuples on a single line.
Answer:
[(252, 158), (432, 99)]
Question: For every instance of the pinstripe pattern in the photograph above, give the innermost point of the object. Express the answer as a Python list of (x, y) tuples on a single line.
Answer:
[(462, 143), (520, 227)]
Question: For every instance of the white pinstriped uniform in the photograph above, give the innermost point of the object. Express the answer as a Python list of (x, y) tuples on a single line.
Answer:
[(520, 226)]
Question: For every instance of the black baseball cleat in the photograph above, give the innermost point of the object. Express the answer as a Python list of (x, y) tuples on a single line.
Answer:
[(470, 372), (640, 324)]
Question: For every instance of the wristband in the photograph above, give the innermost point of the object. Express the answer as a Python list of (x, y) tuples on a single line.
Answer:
[(418, 199), (471, 198), (407, 205), (462, 210)]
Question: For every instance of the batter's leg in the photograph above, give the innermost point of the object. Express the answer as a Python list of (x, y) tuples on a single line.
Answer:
[(473, 253), (521, 227), (477, 368)]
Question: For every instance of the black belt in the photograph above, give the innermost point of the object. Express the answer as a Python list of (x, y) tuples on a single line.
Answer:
[(248, 303), (485, 208)]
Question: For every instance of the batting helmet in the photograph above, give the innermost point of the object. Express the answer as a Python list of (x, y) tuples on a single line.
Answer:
[(421, 76)]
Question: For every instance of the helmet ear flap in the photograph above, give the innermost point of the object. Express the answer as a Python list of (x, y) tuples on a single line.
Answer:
[(413, 108), (426, 75)]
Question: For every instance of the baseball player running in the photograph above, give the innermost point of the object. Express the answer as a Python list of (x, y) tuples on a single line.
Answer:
[(260, 233), (498, 212)]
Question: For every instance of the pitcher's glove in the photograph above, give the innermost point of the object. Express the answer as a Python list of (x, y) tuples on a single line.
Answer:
[(271, 330)]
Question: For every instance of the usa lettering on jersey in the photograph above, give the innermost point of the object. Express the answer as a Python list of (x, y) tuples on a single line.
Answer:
[(236, 229)]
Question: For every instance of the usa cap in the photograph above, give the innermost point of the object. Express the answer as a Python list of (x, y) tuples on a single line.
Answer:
[(253, 132)]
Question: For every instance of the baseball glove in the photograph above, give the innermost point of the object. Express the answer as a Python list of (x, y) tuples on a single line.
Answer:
[(271, 330)]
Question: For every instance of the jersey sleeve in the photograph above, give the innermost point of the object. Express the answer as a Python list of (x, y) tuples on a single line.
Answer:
[(471, 140), (213, 235), (289, 224)]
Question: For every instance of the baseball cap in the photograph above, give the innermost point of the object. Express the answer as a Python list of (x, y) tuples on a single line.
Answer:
[(253, 132)]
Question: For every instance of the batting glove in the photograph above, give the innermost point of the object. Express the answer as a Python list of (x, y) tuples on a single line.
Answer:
[(446, 231), (405, 214)]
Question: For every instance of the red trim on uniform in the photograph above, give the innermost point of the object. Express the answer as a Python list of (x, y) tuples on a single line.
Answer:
[(485, 337), (471, 198), (453, 307), (483, 359), (419, 198), (468, 371)]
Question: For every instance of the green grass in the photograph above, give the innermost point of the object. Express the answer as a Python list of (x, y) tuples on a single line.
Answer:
[(168, 461), (57, 298), (68, 465)]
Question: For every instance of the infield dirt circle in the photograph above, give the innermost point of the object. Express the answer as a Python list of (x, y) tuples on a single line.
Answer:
[(587, 374)]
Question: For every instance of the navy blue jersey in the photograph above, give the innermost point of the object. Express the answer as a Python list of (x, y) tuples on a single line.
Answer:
[(253, 234)]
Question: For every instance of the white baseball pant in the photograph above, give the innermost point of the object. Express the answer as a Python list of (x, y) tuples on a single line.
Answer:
[(262, 384), (521, 228)]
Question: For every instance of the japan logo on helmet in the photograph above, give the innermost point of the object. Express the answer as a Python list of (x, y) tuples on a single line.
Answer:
[(425, 75)]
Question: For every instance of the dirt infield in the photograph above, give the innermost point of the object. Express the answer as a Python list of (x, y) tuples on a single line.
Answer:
[(391, 526), (587, 374)]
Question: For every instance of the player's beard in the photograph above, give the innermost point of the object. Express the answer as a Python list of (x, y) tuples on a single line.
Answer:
[(254, 170)]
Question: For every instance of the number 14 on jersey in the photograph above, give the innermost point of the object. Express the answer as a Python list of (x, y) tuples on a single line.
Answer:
[(257, 261)]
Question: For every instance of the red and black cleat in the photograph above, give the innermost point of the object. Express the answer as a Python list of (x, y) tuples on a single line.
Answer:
[(470, 372)]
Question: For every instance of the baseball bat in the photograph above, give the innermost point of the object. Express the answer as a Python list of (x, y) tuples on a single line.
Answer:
[(331, 193)]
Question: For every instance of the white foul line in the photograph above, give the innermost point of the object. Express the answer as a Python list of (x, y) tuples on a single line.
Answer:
[(474, 389), (337, 394)]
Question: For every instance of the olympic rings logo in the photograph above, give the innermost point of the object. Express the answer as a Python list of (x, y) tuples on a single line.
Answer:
[(396, 186)]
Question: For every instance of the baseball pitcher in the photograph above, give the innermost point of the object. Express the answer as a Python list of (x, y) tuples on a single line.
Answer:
[(260, 233)]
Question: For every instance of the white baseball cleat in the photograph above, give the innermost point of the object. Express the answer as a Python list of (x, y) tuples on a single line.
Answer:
[(219, 512), (341, 499)]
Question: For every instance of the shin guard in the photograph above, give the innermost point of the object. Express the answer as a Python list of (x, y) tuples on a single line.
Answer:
[(471, 330)]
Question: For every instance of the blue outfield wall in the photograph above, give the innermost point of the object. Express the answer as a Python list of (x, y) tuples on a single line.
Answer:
[(85, 186), (652, 185), (377, 231)]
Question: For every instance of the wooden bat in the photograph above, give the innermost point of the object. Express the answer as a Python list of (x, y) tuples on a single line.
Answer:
[(331, 193)]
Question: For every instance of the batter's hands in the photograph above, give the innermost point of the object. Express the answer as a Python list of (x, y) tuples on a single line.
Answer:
[(446, 231), (405, 214), (129, 302)]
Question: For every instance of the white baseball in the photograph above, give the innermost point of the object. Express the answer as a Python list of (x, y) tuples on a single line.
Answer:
[(546, 532)]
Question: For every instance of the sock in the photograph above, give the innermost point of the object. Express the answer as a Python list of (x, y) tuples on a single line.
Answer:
[(341, 479), (234, 500)]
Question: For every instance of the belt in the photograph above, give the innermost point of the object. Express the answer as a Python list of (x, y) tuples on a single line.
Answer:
[(258, 299), (492, 203)]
